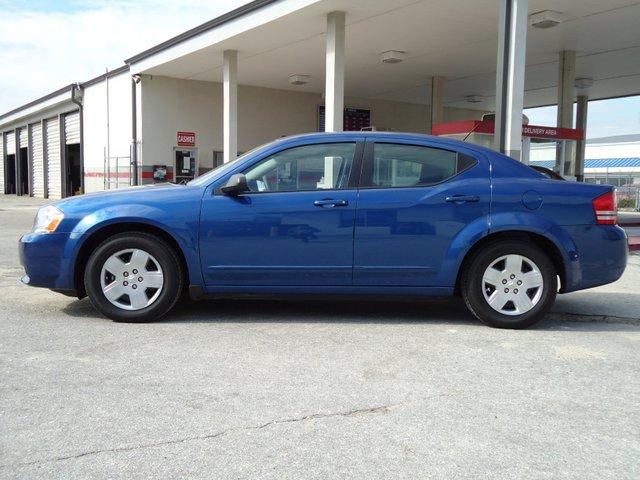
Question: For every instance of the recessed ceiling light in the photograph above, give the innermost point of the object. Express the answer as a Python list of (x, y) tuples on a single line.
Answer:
[(545, 19), (297, 79), (582, 83), (392, 56), (474, 98)]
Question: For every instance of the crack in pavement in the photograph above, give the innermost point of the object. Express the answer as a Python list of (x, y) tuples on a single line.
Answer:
[(315, 416), (591, 318)]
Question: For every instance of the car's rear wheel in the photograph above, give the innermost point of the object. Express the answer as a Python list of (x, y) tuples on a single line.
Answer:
[(133, 277), (509, 284)]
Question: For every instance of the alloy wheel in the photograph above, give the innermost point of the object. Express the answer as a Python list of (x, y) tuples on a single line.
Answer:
[(131, 279), (512, 284)]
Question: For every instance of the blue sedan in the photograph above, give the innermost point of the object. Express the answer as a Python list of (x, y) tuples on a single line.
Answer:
[(377, 214)]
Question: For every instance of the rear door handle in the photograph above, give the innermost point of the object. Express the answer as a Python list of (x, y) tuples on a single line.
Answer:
[(329, 203), (462, 198)]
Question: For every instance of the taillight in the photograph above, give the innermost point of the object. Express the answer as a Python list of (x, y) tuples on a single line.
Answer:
[(606, 208)]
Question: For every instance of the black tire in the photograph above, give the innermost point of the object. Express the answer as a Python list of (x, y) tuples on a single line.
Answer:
[(165, 256), (472, 284)]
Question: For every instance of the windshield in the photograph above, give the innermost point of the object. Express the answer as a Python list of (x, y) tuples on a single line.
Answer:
[(224, 168)]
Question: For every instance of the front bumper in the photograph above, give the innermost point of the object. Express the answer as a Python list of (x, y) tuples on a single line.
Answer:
[(47, 261)]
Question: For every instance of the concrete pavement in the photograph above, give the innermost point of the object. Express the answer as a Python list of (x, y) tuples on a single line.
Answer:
[(257, 389)]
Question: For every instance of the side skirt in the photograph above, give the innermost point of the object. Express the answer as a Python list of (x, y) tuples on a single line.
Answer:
[(197, 292)]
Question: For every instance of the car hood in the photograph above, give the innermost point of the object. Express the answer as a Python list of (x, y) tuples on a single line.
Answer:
[(159, 196), (130, 193)]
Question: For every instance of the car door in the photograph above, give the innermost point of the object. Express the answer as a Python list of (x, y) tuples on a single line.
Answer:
[(295, 225), (415, 199)]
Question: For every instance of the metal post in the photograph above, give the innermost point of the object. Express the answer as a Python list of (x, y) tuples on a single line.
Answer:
[(134, 130), (566, 95), (581, 123), (106, 83), (230, 100), (334, 81), (512, 44)]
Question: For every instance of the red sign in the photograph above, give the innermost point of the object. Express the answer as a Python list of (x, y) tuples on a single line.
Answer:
[(186, 139), (487, 127)]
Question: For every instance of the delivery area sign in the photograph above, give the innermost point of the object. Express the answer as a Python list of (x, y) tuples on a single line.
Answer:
[(186, 139)]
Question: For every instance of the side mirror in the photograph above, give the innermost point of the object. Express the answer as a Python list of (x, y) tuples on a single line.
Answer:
[(236, 185)]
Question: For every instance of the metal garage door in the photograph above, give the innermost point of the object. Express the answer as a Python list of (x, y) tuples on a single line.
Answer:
[(23, 137), (72, 128), (52, 159), (11, 143), (37, 159)]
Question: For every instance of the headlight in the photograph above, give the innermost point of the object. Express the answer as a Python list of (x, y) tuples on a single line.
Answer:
[(47, 219)]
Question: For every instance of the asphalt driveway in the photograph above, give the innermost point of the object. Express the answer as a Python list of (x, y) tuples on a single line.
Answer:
[(256, 389)]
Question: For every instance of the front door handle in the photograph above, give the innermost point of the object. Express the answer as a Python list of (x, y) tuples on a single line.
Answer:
[(329, 203), (462, 198)]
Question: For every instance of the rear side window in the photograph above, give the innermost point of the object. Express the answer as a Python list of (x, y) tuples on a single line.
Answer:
[(396, 165)]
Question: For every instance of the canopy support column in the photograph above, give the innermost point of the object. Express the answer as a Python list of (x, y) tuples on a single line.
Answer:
[(230, 101), (512, 44), (334, 82), (581, 123), (566, 96)]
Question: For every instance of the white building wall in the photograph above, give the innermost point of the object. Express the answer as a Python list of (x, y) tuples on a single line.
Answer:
[(95, 127), (613, 150), (169, 105)]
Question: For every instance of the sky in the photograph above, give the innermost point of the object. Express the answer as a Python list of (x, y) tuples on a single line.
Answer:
[(52, 43), (605, 118)]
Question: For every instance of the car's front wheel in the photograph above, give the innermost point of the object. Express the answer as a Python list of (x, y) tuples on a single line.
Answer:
[(509, 284), (133, 277)]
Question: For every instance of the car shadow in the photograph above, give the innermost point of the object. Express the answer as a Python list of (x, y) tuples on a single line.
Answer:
[(324, 311), (433, 311)]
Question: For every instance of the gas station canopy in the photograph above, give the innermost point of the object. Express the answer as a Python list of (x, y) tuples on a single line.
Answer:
[(455, 40)]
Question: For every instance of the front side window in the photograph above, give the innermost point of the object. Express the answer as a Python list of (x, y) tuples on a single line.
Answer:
[(309, 167), (396, 165)]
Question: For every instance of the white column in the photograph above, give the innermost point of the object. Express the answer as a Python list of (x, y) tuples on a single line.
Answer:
[(437, 108), (566, 97), (334, 83), (230, 101), (512, 45)]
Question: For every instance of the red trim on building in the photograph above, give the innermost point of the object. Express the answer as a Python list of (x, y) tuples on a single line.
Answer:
[(488, 127), (144, 174)]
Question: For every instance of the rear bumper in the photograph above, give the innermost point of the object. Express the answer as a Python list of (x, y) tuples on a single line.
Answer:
[(600, 256), (46, 261)]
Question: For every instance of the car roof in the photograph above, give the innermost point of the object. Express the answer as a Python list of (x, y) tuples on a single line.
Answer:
[(420, 137)]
